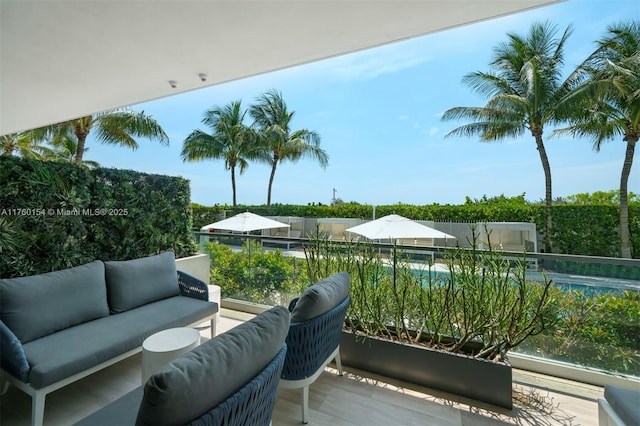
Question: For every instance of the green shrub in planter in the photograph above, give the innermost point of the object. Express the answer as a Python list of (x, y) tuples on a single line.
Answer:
[(484, 306)]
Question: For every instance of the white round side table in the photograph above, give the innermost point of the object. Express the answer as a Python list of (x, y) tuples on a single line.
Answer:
[(165, 346)]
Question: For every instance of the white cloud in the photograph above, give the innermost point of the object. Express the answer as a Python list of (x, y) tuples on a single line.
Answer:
[(372, 63)]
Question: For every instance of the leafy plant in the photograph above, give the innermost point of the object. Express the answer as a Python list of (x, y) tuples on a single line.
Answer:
[(588, 229), (254, 274), (484, 306), (59, 215)]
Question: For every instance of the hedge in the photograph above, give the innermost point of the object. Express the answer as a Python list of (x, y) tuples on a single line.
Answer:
[(59, 215), (591, 230)]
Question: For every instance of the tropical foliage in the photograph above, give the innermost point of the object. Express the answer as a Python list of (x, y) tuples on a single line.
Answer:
[(583, 228), (611, 105), (396, 299), (230, 140), (526, 93), (279, 142), (484, 306), (600, 198), (57, 215), (595, 330), (24, 145), (254, 274), (65, 150), (270, 139), (118, 127)]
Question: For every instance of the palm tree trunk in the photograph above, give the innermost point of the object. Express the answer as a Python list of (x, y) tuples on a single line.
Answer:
[(625, 239), (273, 173), (548, 199), (233, 184), (80, 150), (81, 128)]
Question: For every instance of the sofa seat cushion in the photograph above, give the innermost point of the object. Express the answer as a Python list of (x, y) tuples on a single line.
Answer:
[(136, 282), (120, 412), (321, 297), (75, 349), (625, 403), (193, 384), (39, 305)]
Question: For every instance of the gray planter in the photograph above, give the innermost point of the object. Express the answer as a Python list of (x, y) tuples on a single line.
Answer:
[(478, 379)]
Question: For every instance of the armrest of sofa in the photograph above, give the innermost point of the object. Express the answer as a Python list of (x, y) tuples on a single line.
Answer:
[(292, 304), (190, 286), (12, 356)]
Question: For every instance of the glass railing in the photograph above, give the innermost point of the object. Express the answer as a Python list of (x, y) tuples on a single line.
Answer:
[(599, 323), (597, 299)]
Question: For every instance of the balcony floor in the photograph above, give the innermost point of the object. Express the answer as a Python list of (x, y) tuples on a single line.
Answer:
[(357, 398)]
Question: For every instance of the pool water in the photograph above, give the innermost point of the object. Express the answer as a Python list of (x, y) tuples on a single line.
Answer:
[(566, 282)]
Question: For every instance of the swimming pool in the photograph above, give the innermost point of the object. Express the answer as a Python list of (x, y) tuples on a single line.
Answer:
[(566, 282)]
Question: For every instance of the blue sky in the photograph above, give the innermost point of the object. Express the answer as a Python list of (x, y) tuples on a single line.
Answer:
[(378, 114)]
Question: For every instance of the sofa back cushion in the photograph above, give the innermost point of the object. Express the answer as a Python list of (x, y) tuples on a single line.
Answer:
[(321, 297), (136, 282), (200, 380), (39, 305)]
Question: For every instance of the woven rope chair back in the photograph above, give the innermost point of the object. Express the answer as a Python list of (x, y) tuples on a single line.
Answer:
[(253, 403), (311, 342)]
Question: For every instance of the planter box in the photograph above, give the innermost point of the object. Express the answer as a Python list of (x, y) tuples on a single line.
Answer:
[(478, 379)]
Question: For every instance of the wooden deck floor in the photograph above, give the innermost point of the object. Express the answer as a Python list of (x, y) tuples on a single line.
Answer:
[(357, 398)]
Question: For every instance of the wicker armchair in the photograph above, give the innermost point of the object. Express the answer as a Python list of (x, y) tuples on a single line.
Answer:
[(312, 344), (253, 403)]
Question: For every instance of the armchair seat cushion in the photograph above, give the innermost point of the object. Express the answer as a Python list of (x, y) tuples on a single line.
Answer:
[(321, 297), (189, 386)]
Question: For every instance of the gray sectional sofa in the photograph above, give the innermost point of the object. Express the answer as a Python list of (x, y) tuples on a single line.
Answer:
[(58, 327)]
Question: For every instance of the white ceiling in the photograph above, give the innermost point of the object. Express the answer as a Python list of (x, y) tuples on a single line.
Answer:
[(62, 59)]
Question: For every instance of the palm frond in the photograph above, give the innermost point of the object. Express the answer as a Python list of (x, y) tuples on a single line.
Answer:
[(121, 127)]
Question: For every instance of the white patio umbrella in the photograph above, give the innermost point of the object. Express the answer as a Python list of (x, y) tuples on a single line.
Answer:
[(394, 227), (245, 222)]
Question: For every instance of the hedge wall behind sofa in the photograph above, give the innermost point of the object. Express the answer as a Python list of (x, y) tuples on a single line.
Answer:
[(58, 215)]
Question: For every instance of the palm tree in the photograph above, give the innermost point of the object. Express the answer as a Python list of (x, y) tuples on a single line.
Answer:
[(230, 140), (118, 127), (525, 92), (278, 142), (611, 109), (65, 150), (24, 144)]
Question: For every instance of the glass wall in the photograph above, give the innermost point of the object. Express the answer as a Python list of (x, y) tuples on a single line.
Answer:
[(597, 300), (599, 322)]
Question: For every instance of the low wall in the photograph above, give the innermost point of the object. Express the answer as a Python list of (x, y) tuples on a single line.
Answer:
[(197, 265)]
